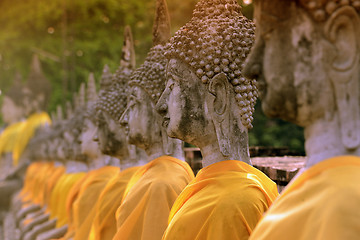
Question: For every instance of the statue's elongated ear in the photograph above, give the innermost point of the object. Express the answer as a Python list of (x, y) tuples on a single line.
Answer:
[(218, 86), (219, 109), (161, 28), (343, 30)]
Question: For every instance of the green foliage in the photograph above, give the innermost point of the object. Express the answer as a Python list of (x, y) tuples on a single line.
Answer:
[(74, 38), (275, 133)]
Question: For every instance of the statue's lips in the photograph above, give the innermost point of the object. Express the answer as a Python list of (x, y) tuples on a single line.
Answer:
[(165, 122)]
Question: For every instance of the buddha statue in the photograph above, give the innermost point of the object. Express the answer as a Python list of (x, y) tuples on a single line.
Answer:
[(111, 105), (112, 141), (13, 114), (155, 186), (19, 103), (89, 147), (207, 102), (37, 92), (306, 61)]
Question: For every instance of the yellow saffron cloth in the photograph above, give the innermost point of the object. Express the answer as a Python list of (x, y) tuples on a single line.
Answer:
[(57, 172), (42, 176), (225, 201), (84, 206), (28, 130), (150, 195), (104, 223), (8, 137), (321, 204), (34, 183), (71, 198), (59, 196), (30, 177)]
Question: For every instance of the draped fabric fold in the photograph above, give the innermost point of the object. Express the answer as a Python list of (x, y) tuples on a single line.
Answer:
[(27, 132), (319, 204), (225, 201), (104, 223), (149, 197)]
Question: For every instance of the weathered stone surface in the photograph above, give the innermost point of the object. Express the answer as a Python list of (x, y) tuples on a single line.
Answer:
[(319, 87)]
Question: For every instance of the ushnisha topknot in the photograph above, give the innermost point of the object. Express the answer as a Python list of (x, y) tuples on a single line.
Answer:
[(106, 78), (150, 76), (218, 39), (91, 98)]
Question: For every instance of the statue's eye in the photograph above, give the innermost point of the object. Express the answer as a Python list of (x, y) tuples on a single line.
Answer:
[(171, 86)]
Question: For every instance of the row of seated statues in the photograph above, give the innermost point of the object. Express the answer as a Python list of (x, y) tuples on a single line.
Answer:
[(114, 167)]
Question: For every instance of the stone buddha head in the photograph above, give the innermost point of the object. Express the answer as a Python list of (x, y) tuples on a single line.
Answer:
[(306, 61), (143, 124), (87, 137), (112, 103), (12, 108), (38, 88), (207, 101)]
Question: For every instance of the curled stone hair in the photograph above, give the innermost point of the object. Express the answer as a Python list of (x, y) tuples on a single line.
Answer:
[(76, 123), (112, 101), (151, 74), (321, 10), (218, 39), (113, 98)]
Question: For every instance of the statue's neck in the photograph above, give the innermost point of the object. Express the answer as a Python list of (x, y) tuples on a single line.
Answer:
[(97, 162), (323, 141), (211, 154), (236, 149), (75, 166), (154, 151)]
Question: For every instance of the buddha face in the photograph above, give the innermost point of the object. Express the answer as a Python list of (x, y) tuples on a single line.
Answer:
[(140, 119), (111, 136), (182, 105), (287, 61), (10, 111), (88, 146)]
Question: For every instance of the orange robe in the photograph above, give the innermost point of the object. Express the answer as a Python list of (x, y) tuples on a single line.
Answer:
[(225, 201), (8, 137), (149, 197), (59, 196), (104, 223), (84, 206), (322, 203), (26, 193), (8, 140), (28, 130), (57, 172)]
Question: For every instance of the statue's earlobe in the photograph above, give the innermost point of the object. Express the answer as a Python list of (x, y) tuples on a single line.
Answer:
[(219, 109), (343, 30)]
